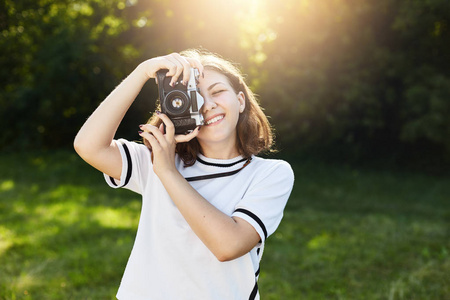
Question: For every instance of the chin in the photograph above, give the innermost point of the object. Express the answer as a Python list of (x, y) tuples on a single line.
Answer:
[(215, 137)]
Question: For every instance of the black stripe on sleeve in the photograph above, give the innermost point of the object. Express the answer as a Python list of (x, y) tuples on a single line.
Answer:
[(254, 217), (130, 164), (113, 182), (254, 292)]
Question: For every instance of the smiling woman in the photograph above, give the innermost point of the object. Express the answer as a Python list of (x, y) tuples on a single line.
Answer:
[(207, 198), (223, 87), (221, 111)]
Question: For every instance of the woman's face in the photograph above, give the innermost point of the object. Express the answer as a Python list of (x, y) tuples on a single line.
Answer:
[(220, 111)]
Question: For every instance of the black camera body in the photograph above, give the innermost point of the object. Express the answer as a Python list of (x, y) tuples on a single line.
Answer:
[(181, 103)]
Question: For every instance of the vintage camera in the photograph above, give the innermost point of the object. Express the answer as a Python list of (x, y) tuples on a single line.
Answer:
[(181, 103)]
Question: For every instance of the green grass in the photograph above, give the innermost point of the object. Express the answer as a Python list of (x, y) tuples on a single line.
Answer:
[(347, 233)]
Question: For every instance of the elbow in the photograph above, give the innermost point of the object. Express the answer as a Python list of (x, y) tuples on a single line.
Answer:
[(81, 146), (224, 257), (227, 249), (227, 254), (78, 145)]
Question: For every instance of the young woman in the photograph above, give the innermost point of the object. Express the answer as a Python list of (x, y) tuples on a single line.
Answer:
[(209, 203)]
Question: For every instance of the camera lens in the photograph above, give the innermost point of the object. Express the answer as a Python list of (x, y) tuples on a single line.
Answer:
[(176, 103)]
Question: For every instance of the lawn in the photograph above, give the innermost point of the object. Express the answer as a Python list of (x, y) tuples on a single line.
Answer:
[(348, 233)]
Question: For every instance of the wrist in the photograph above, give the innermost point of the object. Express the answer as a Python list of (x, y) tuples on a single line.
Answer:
[(169, 176), (147, 69)]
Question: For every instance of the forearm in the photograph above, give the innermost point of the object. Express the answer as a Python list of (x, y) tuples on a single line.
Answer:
[(227, 238)]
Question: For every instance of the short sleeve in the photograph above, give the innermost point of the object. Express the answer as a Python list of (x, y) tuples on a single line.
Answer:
[(264, 202), (136, 164)]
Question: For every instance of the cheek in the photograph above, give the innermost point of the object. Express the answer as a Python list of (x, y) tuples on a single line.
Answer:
[(234, 104), (233, 110), (237, 108)]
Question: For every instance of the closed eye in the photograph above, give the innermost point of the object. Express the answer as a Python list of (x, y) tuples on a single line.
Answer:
[(218, 92)]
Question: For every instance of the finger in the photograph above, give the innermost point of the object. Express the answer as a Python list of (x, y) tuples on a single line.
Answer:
[(155, 132), (170, 128), (195, 63), (175, 70), (183, 138), (157, 63), (186, 67), (152, 140)]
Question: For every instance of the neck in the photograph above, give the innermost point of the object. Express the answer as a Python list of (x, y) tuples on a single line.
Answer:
[(219, 151)]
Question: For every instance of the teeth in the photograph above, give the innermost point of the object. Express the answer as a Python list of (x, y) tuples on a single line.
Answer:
[(214, 120)]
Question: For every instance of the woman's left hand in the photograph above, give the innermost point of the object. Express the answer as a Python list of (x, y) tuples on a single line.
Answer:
[(164, 144), (226, 237)]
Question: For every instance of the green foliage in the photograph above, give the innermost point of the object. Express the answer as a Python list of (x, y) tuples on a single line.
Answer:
[(371, 77), (60, 59), (347, 233), (366, 73)]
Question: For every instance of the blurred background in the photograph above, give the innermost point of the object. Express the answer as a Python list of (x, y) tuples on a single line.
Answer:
[(351, 79), (357, 90)]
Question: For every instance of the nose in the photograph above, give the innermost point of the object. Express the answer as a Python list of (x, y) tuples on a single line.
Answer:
[(208, 105)]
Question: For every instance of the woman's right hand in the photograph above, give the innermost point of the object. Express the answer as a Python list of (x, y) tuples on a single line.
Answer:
[(175, 63), (94, 142)]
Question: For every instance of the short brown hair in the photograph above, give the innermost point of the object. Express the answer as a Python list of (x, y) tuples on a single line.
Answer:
[(254, 132)]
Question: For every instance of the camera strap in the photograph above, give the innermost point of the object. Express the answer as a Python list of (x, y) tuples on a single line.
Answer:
[(218, 175)]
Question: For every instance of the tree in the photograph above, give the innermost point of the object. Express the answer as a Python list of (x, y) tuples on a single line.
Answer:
[(56, 68), (369, 77)]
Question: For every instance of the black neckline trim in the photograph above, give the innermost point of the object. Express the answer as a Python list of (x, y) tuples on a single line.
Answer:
[(218, 175), (220, 165)]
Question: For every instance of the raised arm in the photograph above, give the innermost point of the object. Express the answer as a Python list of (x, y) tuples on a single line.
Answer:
[(94, 142)]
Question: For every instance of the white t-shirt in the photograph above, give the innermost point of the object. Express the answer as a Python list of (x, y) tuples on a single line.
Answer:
[(168, 261)]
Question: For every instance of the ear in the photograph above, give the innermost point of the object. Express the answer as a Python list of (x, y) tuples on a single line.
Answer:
[(241, 99)]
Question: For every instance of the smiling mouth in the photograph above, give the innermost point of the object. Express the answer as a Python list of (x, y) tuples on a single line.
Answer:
[(214, 120)]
